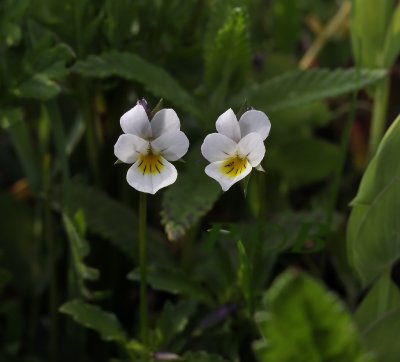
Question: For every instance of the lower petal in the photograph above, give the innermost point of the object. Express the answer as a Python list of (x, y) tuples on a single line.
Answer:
[(157, 174), (227, 174)]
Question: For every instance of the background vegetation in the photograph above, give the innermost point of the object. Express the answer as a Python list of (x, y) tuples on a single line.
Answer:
[(280, 268)]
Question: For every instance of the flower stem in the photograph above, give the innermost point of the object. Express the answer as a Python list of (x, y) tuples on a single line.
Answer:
[(143, 268)]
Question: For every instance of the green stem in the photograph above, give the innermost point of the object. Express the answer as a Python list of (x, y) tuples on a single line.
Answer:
[(379, 115), (384, 292), (143, 268), (48, 234)]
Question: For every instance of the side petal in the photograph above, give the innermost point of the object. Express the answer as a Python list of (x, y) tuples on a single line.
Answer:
[(165, 120), (227, 124), (151, 182), (171, 145), (128, 147), (136, 122), (255, 121), (215, 171), (217, 147), (252, 147)]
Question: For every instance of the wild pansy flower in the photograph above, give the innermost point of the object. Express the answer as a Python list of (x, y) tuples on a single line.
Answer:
[(237, 147), (149, 146)]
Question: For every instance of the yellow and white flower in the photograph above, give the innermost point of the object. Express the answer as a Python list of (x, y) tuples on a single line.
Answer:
[(149, 146), (237, 147)]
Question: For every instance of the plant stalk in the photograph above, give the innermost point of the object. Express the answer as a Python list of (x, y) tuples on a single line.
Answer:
[(381, 97), (144, 332)]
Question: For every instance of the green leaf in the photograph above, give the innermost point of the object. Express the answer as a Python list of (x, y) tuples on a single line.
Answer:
[(80, 249), (200, 192), (173, 321), (303, 86), (303, 161), (373, 229), (132, 67), (244, 276), (300, 310), (202, 357), (392, 42), (93, 317), (367, 40), (382, 299), (226, 69), (174, 281), (12, 120), (38, 87), (382, 337), (114, 221), (11, 18)]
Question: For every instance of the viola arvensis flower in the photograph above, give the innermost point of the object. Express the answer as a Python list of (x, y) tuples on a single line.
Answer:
[(149, 146), (237, 147)]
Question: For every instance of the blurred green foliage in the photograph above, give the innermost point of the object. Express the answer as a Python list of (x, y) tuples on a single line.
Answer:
[(68, 227)]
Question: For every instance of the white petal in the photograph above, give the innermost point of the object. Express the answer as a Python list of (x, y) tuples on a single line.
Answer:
[(151, 183), (163, 121), (128, 147), (136, 122), (227, 124), (255, 121), (172, 145), (252, 147), (217, 147), (214, 170)]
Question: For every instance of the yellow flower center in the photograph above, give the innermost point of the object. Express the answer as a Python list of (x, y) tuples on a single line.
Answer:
[(234, 166), (150, 164)]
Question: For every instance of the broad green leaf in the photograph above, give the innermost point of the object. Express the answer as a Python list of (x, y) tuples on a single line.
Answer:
[(173, 321), (80, 249), (303, 161), (202, 357), (303, 86), (302, 321), (12, 120), (38, 87), (367, 40), (376, 245), (114, 221), (11, 17), (174, 281), (130, 66), (392, 42), (189, 198), (226, 69), (382, 337), (382, 299), (93, 317), (371, 234)]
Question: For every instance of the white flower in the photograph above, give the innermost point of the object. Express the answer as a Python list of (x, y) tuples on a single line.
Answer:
[(149, 146), (237, 147)]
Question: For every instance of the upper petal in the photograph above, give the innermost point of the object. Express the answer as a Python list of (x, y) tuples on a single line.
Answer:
[(172, 145), (151, 182), (215, 171), (217, 147), (252, 147), (128, 147), (227, 124), (136, 122), (165, 120), (255, 121)]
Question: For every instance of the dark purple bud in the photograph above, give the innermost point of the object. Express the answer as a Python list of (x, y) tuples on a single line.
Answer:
[(166, 356), (144, 104), (258, 61), (218, 316)]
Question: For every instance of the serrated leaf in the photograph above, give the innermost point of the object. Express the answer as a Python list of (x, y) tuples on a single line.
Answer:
[(200, 192), (93, 317), (228, 59), (174, 281), (300, 310), (80, 249), (373, 244), (114, 221), (130, 66), (303, 86)]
